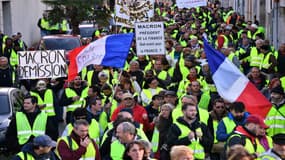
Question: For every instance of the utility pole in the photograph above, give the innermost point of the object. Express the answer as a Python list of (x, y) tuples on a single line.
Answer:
[(275, 29)]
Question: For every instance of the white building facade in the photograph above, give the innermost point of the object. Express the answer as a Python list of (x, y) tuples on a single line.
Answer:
[(21, 16)]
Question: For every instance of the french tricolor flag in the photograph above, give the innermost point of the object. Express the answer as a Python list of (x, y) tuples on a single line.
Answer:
[(111, 51), (233, 85)]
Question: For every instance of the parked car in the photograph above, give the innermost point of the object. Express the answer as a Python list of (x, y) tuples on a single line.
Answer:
[(86, 30), (11, 101), (59, 41)]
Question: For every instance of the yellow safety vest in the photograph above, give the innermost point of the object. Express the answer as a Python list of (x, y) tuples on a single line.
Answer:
[(90, 153), (80, 103), (256, 58), (63, 25), (229, 124), (269, 155), (265, 63), (226, 42), (162, 75), (149, 95), (27, 157), (155, 140), (103, 120), (13, 58), (44, 24), (215, 127), (198, 149), (282, 79), (248, 144), (48, 101), (117, 150), (260, 149), (275, 120), (204, 101), (54, 27), (25, 131)]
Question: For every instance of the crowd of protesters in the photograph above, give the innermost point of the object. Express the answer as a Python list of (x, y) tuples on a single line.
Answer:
[(158, 106)]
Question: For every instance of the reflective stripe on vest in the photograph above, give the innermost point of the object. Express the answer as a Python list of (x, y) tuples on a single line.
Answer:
[(24, 130), (198, 149), (90, 150), (265, 63), (48, 101), (269, 155), (80, 103), (275, 121), (256, 59), (93, 131)]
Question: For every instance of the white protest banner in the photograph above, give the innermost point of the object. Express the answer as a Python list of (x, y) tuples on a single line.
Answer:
[(150, 38), (190, 3), (42, 64), (127, 12)]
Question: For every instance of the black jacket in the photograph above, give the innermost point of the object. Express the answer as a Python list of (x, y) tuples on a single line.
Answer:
[(174, 132), (6, 77)]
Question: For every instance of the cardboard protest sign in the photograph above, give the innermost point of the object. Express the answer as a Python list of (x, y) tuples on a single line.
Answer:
[(190, 3), (150, 38), (42, 64), (127, 12)]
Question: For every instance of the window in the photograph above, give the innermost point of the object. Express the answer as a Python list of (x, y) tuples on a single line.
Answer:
[(4, 107)]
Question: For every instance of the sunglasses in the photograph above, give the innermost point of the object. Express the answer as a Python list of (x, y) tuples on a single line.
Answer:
[(219, 107)]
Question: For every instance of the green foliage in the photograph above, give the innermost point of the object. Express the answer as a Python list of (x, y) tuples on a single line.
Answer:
[(77, 11)]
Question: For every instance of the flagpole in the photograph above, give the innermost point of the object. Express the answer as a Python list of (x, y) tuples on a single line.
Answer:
[(115, 89)]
